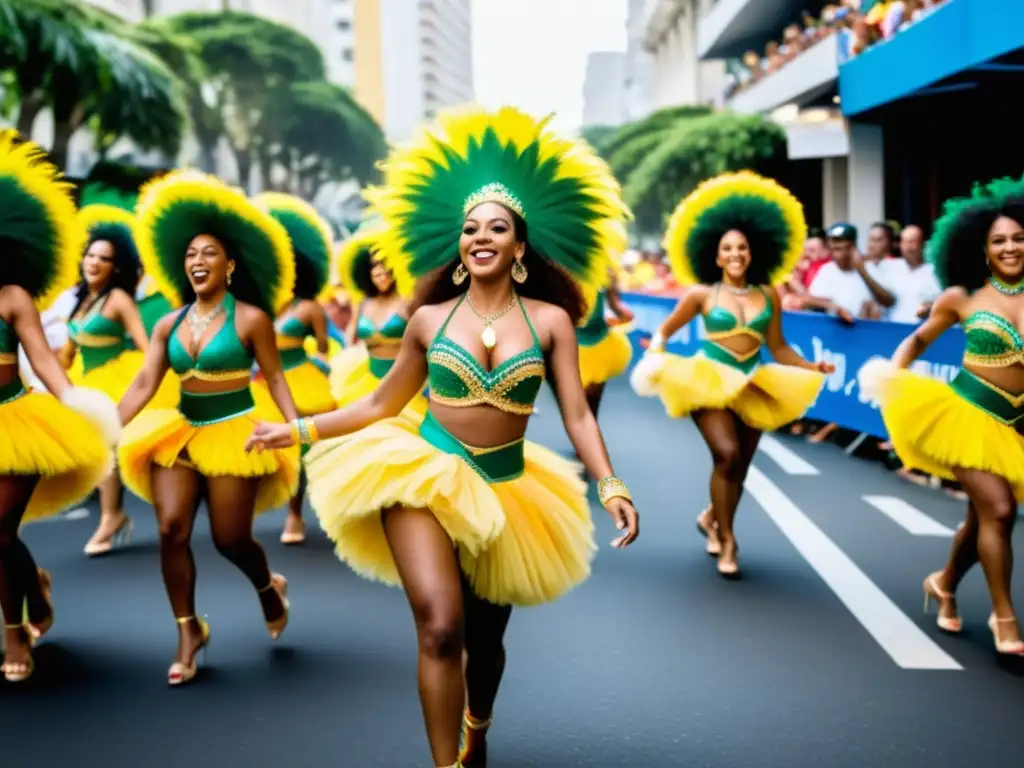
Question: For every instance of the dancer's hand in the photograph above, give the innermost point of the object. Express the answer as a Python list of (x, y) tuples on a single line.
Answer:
[(823, 367), (268, 436), (627, 520)]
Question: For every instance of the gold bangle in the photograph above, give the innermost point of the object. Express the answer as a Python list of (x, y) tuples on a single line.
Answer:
[(314, 433), (610, 488), (296, 431)]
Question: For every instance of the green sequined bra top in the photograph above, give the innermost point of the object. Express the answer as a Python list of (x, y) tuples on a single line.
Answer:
[(457, 379)]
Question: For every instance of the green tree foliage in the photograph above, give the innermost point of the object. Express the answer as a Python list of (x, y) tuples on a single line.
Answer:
[(699, 149), (598, 135)]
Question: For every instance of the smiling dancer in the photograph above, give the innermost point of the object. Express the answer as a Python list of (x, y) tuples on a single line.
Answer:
[(732, 239), (303, 318), (379, 318), (969, 430), (55, 447), (107, 340), (230, 262), (465, 514)]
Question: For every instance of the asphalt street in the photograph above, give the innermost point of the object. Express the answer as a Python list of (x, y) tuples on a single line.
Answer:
[(819, 656)]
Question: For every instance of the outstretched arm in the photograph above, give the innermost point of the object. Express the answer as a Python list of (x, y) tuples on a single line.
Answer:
[(154, 368), (582, 428), (688, 308), (29, 328), (946, 313), (264, 347), (616, 305), (781, 351), (403, 382)]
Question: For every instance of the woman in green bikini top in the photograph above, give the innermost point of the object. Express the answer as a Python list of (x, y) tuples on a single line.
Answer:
[(461, 510), (970, 430), (380, 319)]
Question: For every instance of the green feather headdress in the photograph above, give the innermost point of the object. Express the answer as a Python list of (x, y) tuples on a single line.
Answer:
[(762, 209), (41, 238), (175, 208), (103, 222), (566, 194), (957, 246), (310, 235)]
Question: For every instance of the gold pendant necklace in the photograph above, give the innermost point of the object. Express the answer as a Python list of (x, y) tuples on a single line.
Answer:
[(198, 324), (488, 336)]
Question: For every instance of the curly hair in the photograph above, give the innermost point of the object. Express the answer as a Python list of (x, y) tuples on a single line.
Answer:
[(127, 268), (765, 243), (957, 247), (545, 281), (362, 268)]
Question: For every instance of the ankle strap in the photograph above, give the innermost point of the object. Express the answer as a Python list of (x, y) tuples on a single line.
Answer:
[(478, 725), (14, 626), (185, 619)]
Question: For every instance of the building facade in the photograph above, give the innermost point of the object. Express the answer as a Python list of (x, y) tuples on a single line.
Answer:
[(413, 58), (678, 75), (639, 64), (605, 95)]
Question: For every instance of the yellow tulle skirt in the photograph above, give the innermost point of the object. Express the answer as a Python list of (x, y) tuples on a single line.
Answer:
[(309, 387), (351, 379), (114, 377), (769, 397), (522, 542), (161, 437), (934, 429), (607, 359), (41, 436)]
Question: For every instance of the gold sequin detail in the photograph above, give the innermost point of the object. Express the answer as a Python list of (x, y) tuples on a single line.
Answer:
[(478, 394), (90, 340), (740, 358), (1002, 360), (216, 376), (723, 335), (289, 342), (7, 358), (1015, 400)]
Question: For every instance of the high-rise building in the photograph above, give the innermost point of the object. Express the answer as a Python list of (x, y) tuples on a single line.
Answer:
[(604, 89), (639, 64), (413, 58)]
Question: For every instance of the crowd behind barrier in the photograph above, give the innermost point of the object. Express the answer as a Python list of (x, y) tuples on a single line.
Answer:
[(818, 337)]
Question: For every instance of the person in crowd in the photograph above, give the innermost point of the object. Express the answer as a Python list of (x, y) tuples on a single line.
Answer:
[(107, 341), (301, 319), (969, 429), (56, 447), (911, 279), (732, 238), (230, 263), (461, 511), (881, 244), (848, 284)]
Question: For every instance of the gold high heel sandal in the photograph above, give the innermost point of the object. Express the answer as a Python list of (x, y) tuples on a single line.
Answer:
[(122, 537), (951, 624), (179, 673), (470, 723), (714, 546), (1005, 647), (279, 583), (17, 672)]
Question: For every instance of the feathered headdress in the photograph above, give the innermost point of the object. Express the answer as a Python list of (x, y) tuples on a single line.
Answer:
[(41, 238), (354, 259), (310, 236), (566, 194), (762, 209), (175, 208)]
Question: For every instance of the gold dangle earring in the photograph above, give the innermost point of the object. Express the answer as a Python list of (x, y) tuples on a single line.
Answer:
[(519, 273), (229, 277), (460, 274)]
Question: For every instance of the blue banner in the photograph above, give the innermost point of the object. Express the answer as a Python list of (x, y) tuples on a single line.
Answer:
[(818, 337)]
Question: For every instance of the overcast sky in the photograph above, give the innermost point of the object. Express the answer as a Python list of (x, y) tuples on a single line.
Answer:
[(532, 54)]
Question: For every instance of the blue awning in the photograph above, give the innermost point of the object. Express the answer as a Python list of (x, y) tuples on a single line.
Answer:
[(957, 39)]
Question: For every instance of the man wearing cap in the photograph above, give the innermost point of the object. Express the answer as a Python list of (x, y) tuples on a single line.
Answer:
[(847, 286)]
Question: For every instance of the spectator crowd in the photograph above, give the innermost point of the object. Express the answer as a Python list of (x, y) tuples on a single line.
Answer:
[(859, 24)]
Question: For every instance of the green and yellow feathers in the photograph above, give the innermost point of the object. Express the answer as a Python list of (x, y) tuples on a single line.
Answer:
[(175, 208), (354, 257), (108, 222), (310, 235), (957, 246), (566, 194), (41, 238), (770, 217)]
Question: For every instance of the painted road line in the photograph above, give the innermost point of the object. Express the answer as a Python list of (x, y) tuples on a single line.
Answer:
[(75, 514), (901, 638), (908, 517), (788, 460)]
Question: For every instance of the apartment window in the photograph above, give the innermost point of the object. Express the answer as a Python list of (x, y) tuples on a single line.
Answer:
[(346, 54), (344, 25)]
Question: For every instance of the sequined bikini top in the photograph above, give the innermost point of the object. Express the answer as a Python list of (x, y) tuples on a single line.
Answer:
[(595, 327), (223, 357), (992, 341), (290, 329), (720, 323), (95, 330), (388, 332), (457, 379)]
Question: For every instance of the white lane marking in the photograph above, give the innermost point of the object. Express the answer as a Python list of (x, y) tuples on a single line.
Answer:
[(75, 514), (788, 460), (908, 517), (904, 641)]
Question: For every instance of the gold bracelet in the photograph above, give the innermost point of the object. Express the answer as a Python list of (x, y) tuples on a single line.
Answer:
[(296, 431), (610, 488), (314, 433)]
